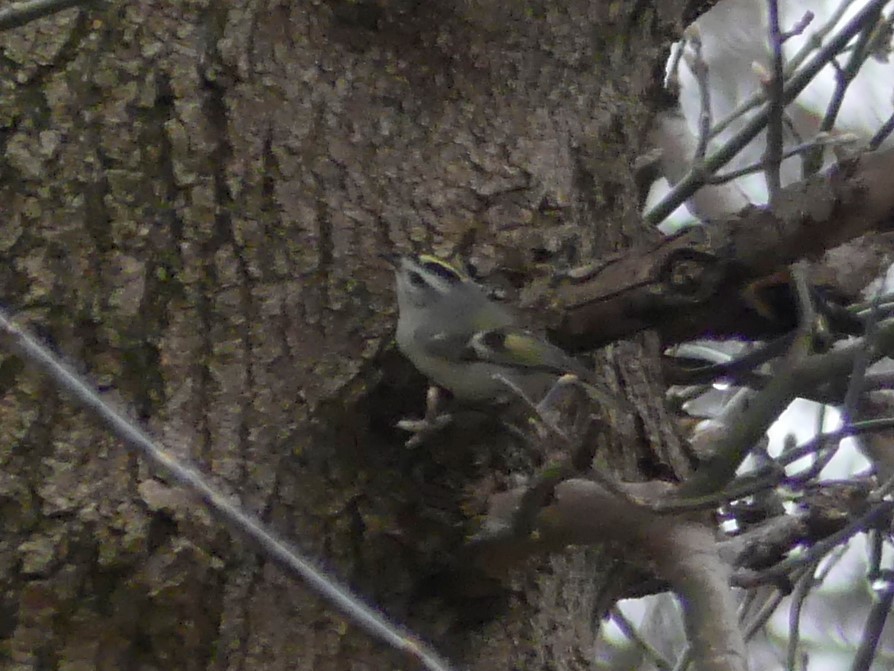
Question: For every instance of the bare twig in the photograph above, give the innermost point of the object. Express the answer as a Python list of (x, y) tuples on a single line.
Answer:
[(763, 543), (775, 105), (677, 145), (819, 549), (767, 477), (700, 70), (824, 455), (862, 361), (802, 590), (536, 409), (747, 485), (759, 619), (672, 81), (879, 302), (875, 623), (805, 583), (800, 26), (744, 426), (684, 659), (243, 524), (818, 443), (882, 134), (627, 628), (684, 552), (875, 545), (806, 308), (844, 76), (18, 14), (753, 419), (821, 140), (695, 179), (814, 42), (883, 490)]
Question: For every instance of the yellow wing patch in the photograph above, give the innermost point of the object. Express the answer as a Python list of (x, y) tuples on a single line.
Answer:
[(524, 349)]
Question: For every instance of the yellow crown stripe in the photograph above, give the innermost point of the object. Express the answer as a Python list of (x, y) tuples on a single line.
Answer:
[(441, 267)]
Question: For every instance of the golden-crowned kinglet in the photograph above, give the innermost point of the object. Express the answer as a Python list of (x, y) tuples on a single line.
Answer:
[(464, 341)]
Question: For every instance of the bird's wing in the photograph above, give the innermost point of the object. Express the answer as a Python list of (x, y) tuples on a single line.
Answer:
[(506, 346), (518, 348), (441, 345)]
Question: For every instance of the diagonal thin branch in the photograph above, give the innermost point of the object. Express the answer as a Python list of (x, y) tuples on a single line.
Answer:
[(821, 141), (844, 76), (875, 623), (882, 134), (699, 68), (776, 106), (629, 630), (814, 41), (243, 524), (750, 421), (18, 14), (696, 178)]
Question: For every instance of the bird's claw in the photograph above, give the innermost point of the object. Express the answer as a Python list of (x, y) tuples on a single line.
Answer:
[(423, 428), (433, 421)]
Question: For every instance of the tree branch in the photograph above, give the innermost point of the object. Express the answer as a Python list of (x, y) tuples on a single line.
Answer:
[(793, 87), (223, 509), (697, 282), (18, 14)]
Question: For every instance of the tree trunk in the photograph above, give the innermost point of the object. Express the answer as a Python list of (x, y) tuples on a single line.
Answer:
[(193, 196)]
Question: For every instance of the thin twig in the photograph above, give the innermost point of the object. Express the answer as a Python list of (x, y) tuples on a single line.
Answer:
[(746, 485), (823, 140), (875, 547), (814, 42), (882, 134), (744, 423), (672, 80), (763, 614), (696, 177), (882, 491), (844, 76), (823, 456), (700, 70), (535, 408), (819, 549), (875, 623), (767, 477), (797, 372), (802, 589), (243, 524), (800, 26), (862, 361), (882, 303), (819, 441), (806, 308), (627, 628), (684, 659), (775, 105), (18, 14)]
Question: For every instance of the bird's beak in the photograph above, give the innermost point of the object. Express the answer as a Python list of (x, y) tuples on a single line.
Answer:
[(393, 259)]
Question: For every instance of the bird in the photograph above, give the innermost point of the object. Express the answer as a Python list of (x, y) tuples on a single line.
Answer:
[(462, 340)]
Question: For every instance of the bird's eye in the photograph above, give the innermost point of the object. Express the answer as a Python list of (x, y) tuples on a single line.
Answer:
[(416, 279)]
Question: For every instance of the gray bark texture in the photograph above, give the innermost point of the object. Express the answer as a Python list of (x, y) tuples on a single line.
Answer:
[(192, 196)]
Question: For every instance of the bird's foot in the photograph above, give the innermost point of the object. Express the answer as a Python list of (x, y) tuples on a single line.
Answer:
[(431, 423)]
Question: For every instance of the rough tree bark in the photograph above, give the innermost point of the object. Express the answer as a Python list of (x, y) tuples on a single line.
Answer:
[(192, 198)]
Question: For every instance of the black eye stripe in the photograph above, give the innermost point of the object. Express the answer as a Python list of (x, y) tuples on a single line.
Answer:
[(416, 279), (442, 271)]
